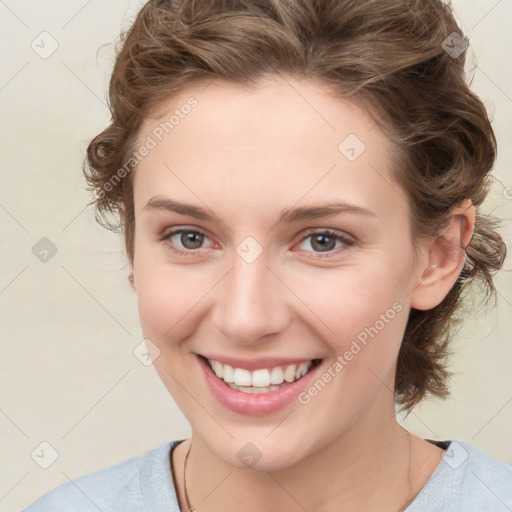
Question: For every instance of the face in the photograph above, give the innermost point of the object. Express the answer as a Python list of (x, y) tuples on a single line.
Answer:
[(260, 274)]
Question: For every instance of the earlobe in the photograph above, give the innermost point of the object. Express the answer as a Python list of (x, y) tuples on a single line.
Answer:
[(131, 279), (446, 258)]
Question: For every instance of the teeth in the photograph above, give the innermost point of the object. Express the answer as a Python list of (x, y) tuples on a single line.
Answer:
[(242, 377), (259, 381), (276, 375), (256, 391), (260, 378), (229, 373), (218, 368), (289, 373)]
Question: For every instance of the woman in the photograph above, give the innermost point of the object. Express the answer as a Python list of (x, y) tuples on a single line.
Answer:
[(299, 185)]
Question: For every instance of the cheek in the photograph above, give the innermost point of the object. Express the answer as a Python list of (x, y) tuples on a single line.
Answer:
[(170, 300), (368, 318), (348, 300), (361, 313)]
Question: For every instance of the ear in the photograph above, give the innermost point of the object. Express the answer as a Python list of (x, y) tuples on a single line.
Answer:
[(445, 259), (131, 277)]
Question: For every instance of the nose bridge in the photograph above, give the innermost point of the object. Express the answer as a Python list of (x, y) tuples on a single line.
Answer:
[(250, 304)]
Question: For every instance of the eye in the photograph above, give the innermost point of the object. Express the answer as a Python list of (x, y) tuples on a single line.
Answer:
[(326, 241), (183, 241), (186, 242)]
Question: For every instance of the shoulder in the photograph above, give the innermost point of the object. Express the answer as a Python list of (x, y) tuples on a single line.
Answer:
[(122, 487), (466, 480), (487, 481)]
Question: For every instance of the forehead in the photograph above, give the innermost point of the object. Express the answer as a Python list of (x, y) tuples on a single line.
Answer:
[(286, 139)]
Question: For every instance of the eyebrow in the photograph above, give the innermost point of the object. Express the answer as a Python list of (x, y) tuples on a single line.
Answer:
[(288, 215)]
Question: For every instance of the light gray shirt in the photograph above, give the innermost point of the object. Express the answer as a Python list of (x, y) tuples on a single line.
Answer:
[(466, 480)]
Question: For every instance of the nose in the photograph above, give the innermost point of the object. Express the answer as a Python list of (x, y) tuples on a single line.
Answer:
[(251, 302)]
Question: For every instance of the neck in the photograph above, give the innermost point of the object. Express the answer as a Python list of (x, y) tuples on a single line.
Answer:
[(375, 466)]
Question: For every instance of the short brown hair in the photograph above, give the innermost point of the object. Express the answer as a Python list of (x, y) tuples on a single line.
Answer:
[(388, 54)]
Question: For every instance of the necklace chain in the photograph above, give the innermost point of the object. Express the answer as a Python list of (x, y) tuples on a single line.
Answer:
[(187, 503), (192, 509)]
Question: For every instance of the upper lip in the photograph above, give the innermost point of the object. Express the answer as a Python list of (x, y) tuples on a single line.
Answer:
[(257, 363)]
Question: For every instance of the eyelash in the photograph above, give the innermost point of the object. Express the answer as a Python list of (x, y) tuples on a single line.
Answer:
[(347, 242)]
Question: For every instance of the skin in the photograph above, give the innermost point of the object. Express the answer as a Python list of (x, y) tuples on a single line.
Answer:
[(244, 155)]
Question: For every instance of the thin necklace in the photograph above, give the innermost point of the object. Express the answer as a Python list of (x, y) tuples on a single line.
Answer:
[(192, 509), (409, 500), (188, 509)]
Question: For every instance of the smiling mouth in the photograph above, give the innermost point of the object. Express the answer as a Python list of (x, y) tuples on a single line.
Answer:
[(262, 380)]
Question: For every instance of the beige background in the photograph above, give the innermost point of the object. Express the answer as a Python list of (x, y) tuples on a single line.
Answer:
[(69, 326)]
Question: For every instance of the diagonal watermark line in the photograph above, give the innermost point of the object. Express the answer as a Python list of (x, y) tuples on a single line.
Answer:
[(214, 489), (495, 178), (300, 299), (286, 491), (13, 76), (14, 218), (417, 286), (76, 14), (95, 300), (102, 100), (307, 192), (377, 122), (13, 279), (198, 300), (504, 298), (198, 402), (14, 423), (492, 418), (85, 494), (494, 83), (490, 490), (486, 14), (14, 486), (111, 388), (208, 84), (209, 209), (493, 210), (305, 100), (425, 424), (381, 381), (506, 193), (13, 13), (280, 423), (73, 219), (412, 412), (389, 183)]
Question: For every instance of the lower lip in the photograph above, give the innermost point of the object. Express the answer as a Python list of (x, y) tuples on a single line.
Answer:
[(255, 404)]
